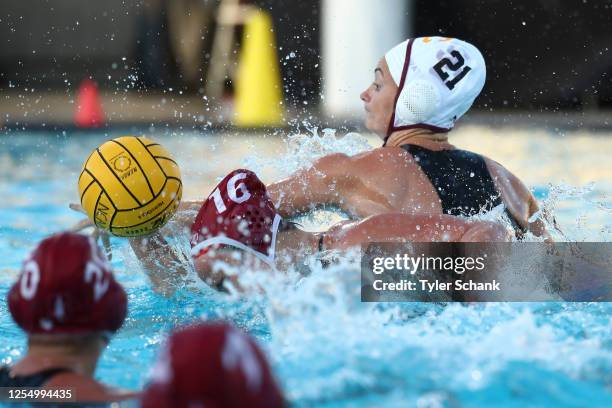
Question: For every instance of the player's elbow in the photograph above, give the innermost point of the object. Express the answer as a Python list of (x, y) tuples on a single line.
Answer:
[(332, 178), (321, 183), (333, 164)]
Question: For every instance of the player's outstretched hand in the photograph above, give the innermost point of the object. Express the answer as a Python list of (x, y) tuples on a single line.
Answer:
[(96, 234), (77, 207)]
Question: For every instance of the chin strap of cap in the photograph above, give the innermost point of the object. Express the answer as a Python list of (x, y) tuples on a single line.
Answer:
[(391, 126)]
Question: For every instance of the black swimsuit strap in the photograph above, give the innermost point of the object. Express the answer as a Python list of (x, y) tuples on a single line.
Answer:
[(461, 179), (32, 380)]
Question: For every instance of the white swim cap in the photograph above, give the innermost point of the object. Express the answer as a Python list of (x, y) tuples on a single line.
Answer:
[(438, 80)]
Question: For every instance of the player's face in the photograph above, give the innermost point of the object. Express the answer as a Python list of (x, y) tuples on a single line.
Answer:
[(378, 99)]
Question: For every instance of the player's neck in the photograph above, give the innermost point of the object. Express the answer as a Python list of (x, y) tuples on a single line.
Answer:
[(42, 357), (420, 137)]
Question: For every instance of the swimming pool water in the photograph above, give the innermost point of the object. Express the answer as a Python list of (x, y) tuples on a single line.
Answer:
[(327, 348)]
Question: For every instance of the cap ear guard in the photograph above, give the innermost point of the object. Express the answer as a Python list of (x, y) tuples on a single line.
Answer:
[(418, 102)]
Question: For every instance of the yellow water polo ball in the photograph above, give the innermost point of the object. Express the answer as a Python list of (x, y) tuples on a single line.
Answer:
[(130, 186)]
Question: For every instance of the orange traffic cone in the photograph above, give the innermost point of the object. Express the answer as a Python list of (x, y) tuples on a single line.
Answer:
[(89, 111)]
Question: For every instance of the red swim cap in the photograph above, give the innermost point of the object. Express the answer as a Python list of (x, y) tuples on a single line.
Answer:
[(66, 287), (238, 213), (212, 365)]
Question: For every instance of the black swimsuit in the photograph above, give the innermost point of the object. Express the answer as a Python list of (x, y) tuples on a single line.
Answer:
[(33, 380), (462, 181)]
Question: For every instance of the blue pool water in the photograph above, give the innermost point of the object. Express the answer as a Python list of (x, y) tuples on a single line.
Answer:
[(327, 348)]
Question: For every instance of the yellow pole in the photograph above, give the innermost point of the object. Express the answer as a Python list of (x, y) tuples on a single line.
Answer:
[(258, 91)]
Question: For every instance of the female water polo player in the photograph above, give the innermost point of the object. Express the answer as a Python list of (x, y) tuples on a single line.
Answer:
[(239, 214), (69, 304), (421, 88), (212, 365)]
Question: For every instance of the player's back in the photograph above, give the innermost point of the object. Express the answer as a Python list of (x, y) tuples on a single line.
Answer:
[(391, 179)]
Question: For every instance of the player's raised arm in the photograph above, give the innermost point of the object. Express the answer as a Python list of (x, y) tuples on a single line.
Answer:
[(163, 265), (521, 205), (325, 182)]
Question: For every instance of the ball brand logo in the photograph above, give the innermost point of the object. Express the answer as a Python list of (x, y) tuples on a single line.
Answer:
[(129, 173), (102, 215), (121, 162), (123, 165), (134, 232), (149, 212)]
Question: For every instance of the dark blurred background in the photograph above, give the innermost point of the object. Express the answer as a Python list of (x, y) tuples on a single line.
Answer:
[(541, 54)]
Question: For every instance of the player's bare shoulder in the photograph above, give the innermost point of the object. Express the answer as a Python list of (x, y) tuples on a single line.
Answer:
[(506, 178), (382, 157)]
